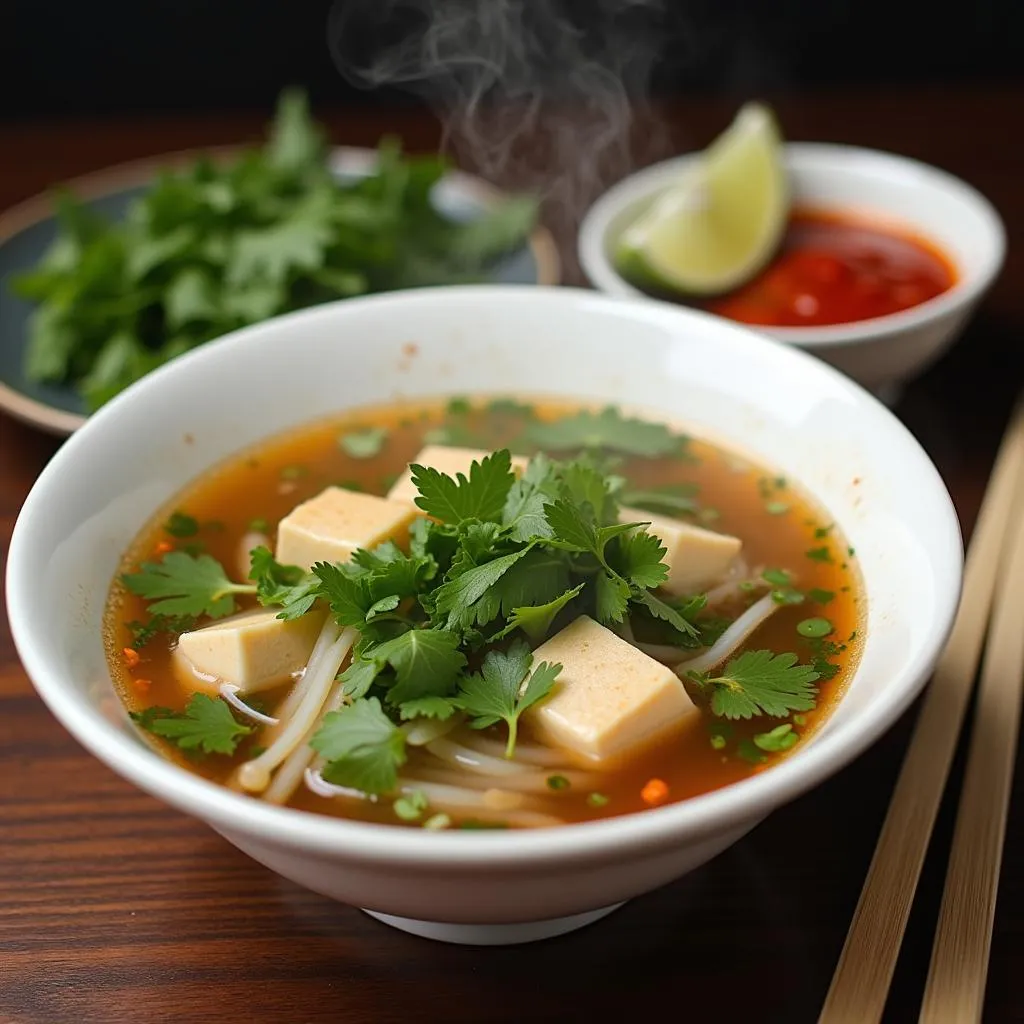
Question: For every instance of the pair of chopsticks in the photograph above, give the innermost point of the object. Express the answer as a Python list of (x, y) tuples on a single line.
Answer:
[(992, 602)]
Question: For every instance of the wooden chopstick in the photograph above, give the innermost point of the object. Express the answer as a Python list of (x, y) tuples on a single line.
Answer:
[(861, 982), (955, 990)]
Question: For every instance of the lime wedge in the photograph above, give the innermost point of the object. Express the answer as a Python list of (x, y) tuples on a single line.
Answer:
[(722, 221)]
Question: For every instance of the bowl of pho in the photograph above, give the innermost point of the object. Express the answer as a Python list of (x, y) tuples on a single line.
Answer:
[(484, 609)]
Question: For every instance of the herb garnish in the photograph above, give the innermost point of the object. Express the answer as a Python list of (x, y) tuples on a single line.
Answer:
[(498, 560), (181, 525), (218, 245), (497, 693), (184, 584), (759, 683), (206, 726), (607, 430), (363, 444), (363, 748), (782, 737)]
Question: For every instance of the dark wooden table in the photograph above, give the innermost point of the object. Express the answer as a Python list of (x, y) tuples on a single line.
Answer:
[(114, 908)]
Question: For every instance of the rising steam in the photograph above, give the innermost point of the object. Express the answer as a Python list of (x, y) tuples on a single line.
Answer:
[(537, 94)]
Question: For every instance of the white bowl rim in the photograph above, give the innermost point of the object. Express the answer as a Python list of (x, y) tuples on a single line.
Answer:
[(812, 157), (744, 802)]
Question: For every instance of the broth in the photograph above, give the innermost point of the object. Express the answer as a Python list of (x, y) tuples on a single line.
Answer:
[(780, 528)]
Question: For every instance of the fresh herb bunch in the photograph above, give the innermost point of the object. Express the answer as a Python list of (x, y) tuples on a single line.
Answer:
[(496, 565), (218, 246)]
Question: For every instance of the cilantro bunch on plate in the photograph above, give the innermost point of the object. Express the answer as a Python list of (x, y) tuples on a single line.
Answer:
[(217, 246)]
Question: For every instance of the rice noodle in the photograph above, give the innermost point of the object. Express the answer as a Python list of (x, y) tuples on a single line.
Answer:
[(486, 805), (288, 706), (472, 760), (665, 653), (731, 639), (422, 731), (330, 650), (729, 587), (530, 781), (525, 753), (316, 783), (229, 691), (288, 777)]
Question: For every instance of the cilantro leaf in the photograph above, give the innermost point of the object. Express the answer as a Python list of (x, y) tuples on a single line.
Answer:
[(638, 557), (523, 514), (480, 496), (295, 143), (186, 585), (427, 662), (535, 620), (531, 580), (760, 683), (287, 585), (458, 598), (607, 430), (346, 594), (585, 485), (497, 692), (390, 572), (363, 444), (612, 595), (360, 675), (362, 747), (664, 611), (426, 707), (144, 632), (673, 499), (205, 726), (571, 528), (179, 524)]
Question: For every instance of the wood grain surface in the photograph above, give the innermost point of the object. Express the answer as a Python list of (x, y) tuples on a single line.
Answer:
[(115, 909)]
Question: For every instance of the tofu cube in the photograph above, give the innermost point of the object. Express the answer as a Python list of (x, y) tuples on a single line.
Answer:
[(696, 558), (329, 527), (254, 650), (447, 460), (610, 699)]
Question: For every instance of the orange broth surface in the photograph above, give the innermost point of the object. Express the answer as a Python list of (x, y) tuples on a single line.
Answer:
[(834, 268), (779, 527)]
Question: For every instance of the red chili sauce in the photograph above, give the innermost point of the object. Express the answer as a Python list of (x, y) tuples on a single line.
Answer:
[(835, 269)]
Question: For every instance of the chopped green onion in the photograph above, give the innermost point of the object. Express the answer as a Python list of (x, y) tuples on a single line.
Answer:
[(814, 628)]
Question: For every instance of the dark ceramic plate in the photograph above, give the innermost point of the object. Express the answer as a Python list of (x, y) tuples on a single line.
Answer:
[(27, 230)]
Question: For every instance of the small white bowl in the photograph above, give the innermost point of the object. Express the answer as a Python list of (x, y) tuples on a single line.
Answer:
[(881, 352), (777, 405)]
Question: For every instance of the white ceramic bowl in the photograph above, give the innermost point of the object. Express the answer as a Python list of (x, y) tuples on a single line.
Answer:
[(881, 352), (776, 404)]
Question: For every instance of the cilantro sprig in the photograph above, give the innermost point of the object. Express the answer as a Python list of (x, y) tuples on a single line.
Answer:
[(217, 245), (506, 685), (183, 584), (759, 683), (363, 749), (206, 726), (607, 430)]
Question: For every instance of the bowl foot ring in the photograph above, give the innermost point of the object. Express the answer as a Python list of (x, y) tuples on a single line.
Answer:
[(493, 934)]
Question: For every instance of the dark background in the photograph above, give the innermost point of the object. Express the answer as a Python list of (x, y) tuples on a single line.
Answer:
[(63, 59)]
